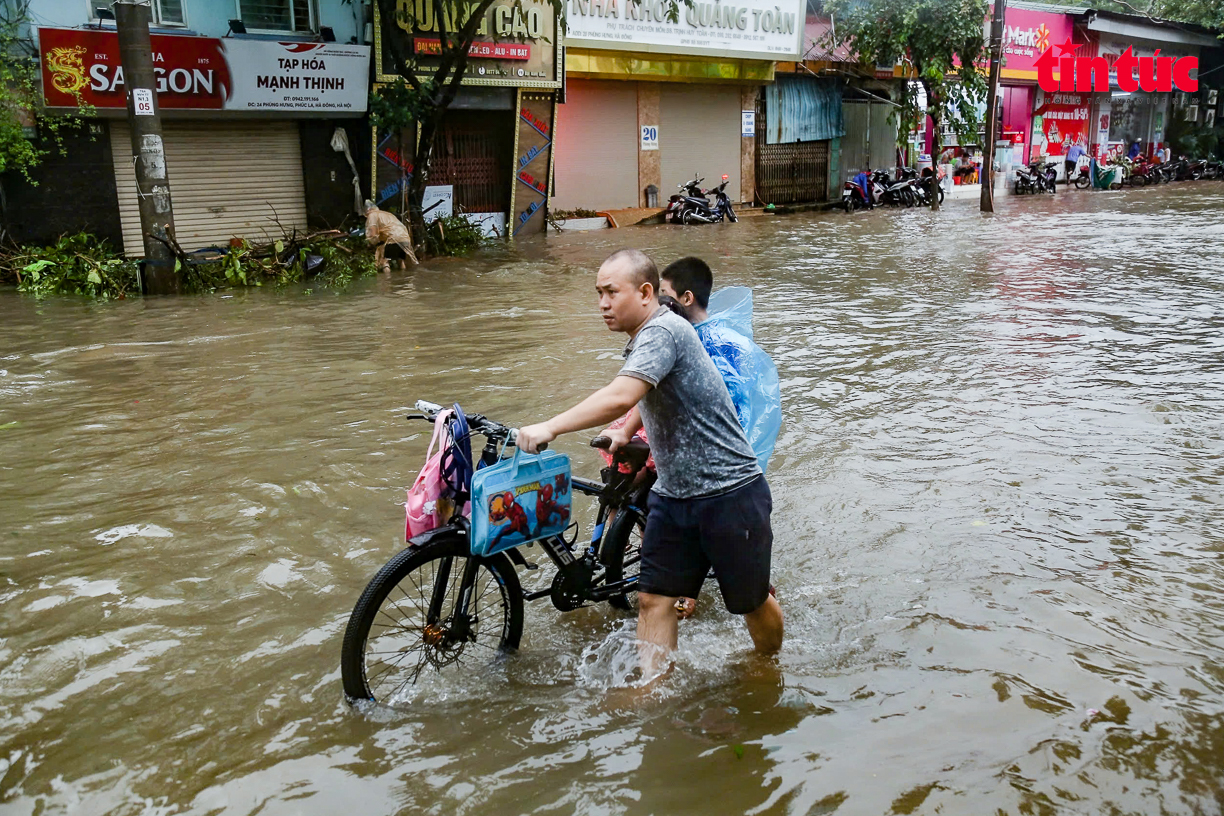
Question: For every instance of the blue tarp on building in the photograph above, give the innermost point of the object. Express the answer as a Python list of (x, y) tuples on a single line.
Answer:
[(803, 109)]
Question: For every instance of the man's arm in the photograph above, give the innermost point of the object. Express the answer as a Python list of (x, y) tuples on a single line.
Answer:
[(602, 407)]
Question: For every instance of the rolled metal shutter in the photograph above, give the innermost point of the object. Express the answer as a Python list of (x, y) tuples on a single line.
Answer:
[(227, 180), (597, 146), (699, 131)]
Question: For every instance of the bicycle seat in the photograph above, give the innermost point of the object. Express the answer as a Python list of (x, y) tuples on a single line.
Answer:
[(634, 454)]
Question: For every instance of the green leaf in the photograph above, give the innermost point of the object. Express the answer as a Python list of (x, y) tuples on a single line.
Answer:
[(279, 246), (739, 751), (8, 425), (94, 277), (37, 267)]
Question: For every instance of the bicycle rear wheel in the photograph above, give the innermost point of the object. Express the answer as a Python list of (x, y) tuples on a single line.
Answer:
[(621, 553), (404, 623)]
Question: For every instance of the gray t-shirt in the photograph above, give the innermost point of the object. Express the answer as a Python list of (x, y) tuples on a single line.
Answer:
[(697, 442)]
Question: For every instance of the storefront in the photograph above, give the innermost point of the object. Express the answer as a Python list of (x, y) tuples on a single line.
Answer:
[(234, 114), (1125, 116), (651, 104), (1027, 115), (492, 158)]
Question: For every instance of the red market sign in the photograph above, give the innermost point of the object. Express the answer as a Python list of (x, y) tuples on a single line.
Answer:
[(479, 50), (205, 73), (1027, 34)]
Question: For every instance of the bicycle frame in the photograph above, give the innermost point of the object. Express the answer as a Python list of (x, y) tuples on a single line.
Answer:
[(579, 570)]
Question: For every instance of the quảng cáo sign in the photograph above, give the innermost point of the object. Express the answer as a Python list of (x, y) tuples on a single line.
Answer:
[(515, 45)]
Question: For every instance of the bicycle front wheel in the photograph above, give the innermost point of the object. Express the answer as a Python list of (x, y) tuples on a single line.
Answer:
[(405, 623)]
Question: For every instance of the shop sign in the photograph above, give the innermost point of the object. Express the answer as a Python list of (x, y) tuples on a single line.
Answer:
[(650, 137), (515, 45), (205, 73), (748, 124), (752, 29), (1027, 34), (438, 202)]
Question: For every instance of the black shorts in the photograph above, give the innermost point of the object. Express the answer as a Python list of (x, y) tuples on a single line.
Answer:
[(729, 532)]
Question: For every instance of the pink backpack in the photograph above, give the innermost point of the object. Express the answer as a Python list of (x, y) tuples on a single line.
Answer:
[(423, 510)]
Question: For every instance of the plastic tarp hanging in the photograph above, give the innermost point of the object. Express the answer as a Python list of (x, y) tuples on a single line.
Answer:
[(751, 376), (803, 109)]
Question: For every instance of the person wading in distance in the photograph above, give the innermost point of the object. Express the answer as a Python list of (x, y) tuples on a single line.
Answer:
[(710, 506)]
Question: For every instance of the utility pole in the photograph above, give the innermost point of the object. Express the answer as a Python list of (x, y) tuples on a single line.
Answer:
[(992, 104), (159, 276)]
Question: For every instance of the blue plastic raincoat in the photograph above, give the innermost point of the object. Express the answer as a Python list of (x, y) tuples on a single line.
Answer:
[(751, 377)]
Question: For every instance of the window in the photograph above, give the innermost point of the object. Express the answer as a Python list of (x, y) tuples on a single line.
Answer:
[(163, 13), (170, 12), (276, 15)]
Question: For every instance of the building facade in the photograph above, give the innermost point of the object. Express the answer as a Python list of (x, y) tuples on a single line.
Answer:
[(650, 104), (492, 157), (1037, 123), (254, 99)]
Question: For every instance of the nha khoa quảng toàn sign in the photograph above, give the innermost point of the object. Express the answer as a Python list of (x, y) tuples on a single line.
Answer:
[(748, 29), (516, 44), (206, 73)]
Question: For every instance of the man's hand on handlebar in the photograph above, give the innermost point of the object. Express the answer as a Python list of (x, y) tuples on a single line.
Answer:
[(618, 436), (532, 437)]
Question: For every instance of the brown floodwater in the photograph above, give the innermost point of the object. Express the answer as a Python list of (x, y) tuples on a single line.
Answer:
[(998, 524)]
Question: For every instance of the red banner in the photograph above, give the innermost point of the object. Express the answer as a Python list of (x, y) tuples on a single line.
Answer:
[(1064, 122), (191, 71), (481, 50)]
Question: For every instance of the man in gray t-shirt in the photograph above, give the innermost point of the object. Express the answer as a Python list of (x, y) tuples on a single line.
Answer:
[(711, 505)]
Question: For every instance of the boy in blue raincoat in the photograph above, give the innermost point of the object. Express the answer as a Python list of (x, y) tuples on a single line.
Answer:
[(724, 324)]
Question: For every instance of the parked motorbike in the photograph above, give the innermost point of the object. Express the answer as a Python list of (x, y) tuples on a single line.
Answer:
[(893, 192), (853, 197), (1173, 170), (922, 186), (1214, 170), (1195, 169), (692, 205), (1084, 180), (1038, 177)]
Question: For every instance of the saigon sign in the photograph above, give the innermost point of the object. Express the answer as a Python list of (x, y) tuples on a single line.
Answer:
[(205, 73)]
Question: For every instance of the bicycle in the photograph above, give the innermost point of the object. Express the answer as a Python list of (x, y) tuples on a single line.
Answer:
[(437, 617)]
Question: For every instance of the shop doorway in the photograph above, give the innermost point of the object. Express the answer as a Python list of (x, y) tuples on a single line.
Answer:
[(472, 153)]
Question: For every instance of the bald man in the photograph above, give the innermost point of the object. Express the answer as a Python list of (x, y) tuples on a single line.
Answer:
[(710, 506)]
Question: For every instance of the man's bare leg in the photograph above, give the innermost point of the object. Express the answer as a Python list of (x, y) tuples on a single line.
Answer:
[(657, 631), (764, 624)]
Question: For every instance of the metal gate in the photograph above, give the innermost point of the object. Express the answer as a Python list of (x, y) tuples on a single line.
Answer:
[(787, 173), (472, 152)]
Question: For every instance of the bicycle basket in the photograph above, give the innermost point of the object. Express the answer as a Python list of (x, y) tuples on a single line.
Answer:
[(521, 499)]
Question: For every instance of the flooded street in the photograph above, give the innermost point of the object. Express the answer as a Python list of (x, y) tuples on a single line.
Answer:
[(998, 526)]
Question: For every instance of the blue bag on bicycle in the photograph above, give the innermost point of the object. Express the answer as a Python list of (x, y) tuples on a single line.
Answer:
[(518, 500)]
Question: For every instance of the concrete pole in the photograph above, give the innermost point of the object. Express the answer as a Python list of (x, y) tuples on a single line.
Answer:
[(152, 183), (992, 105)]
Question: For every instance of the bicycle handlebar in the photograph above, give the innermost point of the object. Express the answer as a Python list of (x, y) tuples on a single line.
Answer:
[(478, 423)]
